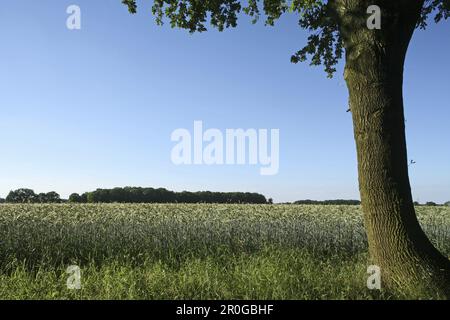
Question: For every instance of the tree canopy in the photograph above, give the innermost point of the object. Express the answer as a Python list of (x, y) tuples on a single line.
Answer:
[(323, 19), (162, 195), (28, 196), (136, 195), (329, 202)]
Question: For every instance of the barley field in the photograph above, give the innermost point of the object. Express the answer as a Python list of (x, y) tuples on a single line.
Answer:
[(202, 251)]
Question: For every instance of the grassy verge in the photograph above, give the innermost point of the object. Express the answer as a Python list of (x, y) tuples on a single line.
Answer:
[(268, 274), (133, 251)]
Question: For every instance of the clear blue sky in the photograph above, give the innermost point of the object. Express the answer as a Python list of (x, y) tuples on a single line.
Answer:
[(96, 107)]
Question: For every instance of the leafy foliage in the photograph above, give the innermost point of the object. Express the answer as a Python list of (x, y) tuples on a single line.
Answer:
[(324, 45), (28, 196), (329, 202), (76, 198), (440, 8), (162, 195)]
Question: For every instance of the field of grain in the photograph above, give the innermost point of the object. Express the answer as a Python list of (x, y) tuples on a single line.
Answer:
[(192, 251)]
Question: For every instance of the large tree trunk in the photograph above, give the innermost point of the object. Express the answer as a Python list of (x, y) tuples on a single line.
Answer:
[(374, 76)]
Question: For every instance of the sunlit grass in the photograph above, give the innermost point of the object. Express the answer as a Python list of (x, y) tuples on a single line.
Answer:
[(192, 251)]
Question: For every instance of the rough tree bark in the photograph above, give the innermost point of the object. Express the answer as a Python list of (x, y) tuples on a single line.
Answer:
[(374, 76)]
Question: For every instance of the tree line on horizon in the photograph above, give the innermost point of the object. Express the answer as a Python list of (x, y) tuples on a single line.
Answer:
[(136, 195), (356, 202), (162, 195), (328, 202)]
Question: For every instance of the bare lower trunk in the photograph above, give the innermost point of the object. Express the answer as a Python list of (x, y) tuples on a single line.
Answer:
[(374, 76)]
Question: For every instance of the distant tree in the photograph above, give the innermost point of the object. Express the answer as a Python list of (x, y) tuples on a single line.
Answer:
[(149, 195), (270, 201), (187, 197), (75, 198), (92, 197), (50, 197), (161, 195), (447, 204), (84, 197), (416, 203), (22, 196), (99, 195), (53, 197), (2, 200), (431, 204), (307, 201), (41, 198), (165, 196), (104, 195), (118, 195), (329, 202), (141, 195), (343, 202)]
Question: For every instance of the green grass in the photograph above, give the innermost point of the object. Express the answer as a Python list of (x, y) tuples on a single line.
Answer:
[(192, 251), (268, 274)]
